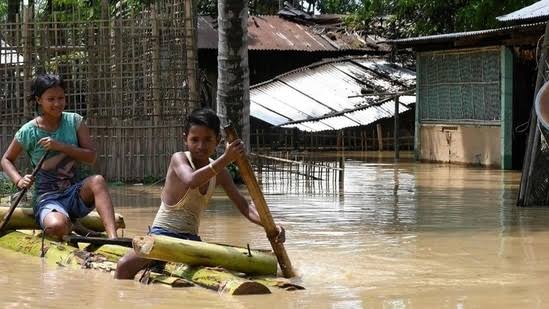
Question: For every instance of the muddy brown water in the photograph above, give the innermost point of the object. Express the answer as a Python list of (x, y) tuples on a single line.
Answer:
[(405, 235)]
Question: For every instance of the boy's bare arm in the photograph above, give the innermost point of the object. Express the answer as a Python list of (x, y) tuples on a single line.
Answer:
[(202, 175), (246, 208), (249, 211), (189, 177)]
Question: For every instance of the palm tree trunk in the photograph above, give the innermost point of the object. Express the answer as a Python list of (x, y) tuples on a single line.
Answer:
[(233, 81)]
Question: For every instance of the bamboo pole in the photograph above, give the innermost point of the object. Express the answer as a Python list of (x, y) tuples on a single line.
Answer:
[(379, 137), (191, 53), (27, 66), (22, 193), (396, 128), (197, 253), (156, 65), (264, 213)]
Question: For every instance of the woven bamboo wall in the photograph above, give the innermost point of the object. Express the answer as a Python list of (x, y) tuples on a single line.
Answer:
[(460, 85), (126, 74)]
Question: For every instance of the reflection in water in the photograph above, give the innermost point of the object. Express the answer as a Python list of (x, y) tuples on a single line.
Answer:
[(405, 235)]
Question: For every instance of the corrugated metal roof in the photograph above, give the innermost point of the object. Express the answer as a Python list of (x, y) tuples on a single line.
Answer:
[(538, 10), (480, 34), (275, 33), (365, 116), (329, 95), (9, 55)]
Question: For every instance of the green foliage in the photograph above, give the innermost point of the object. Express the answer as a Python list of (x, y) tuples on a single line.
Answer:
[(424, 17), (262, 7), (69, 10), (3, 10), (481, 14), (365, 11), (6, 187), (235, 173), (207, 7), (341, 6), (150, 180)]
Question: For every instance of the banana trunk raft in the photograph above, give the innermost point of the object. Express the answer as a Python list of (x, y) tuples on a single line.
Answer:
[(23, 219), (175, 274)]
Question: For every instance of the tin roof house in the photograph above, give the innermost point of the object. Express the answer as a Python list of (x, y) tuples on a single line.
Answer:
[(279, 44), (475, 90)]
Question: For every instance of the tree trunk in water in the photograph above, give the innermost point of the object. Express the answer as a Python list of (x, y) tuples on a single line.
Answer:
[(233, 81), (196, 253), (23, 219)]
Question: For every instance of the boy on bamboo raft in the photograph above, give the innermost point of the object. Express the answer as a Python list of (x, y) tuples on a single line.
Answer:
[(59, 199), (190, 182)]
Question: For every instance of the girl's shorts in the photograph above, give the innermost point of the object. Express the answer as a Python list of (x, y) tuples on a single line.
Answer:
[(67, 202)]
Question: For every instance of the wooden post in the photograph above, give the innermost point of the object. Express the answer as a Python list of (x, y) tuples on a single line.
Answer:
[(341, 169), (379, 137), (93, 63), (27, 66), (264, 213), (257, 140), (534, 132), (395, 135), (155, 66), (191, 52)]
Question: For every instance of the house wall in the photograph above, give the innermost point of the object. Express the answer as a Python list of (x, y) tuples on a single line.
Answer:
[(464, 112), (463, 144)]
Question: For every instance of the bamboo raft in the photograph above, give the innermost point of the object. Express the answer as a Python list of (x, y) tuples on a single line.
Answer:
[(189, 263)]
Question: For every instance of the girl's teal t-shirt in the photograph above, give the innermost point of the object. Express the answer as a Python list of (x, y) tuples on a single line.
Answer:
[(58, 171)]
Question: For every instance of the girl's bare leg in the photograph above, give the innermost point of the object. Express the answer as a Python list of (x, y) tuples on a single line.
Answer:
[(95, 191), (57, 225)]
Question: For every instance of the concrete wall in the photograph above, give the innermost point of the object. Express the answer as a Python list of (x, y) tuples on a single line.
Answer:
[(466, 144)]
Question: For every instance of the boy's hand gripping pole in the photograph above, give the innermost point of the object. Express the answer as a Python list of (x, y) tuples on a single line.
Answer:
[(267, 221)]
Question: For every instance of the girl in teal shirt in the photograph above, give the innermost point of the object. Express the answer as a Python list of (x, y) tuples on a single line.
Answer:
[(59, 198)]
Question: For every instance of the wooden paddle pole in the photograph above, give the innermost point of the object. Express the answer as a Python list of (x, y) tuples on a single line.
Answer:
[(22, 193), (250, 180)]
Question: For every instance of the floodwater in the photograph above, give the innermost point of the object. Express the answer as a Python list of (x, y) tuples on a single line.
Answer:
[(406, 235)]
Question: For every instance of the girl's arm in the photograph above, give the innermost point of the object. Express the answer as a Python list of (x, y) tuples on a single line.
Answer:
[(8, 166), (84, 152)]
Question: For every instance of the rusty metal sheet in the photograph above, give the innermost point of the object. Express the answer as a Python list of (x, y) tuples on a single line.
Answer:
[(276, 33)]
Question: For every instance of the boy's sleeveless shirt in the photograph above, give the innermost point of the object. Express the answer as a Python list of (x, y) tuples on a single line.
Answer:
[(58, 171), (184, 216)]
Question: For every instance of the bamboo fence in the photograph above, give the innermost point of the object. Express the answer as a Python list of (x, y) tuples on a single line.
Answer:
[(363, 139), (126, 72)]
